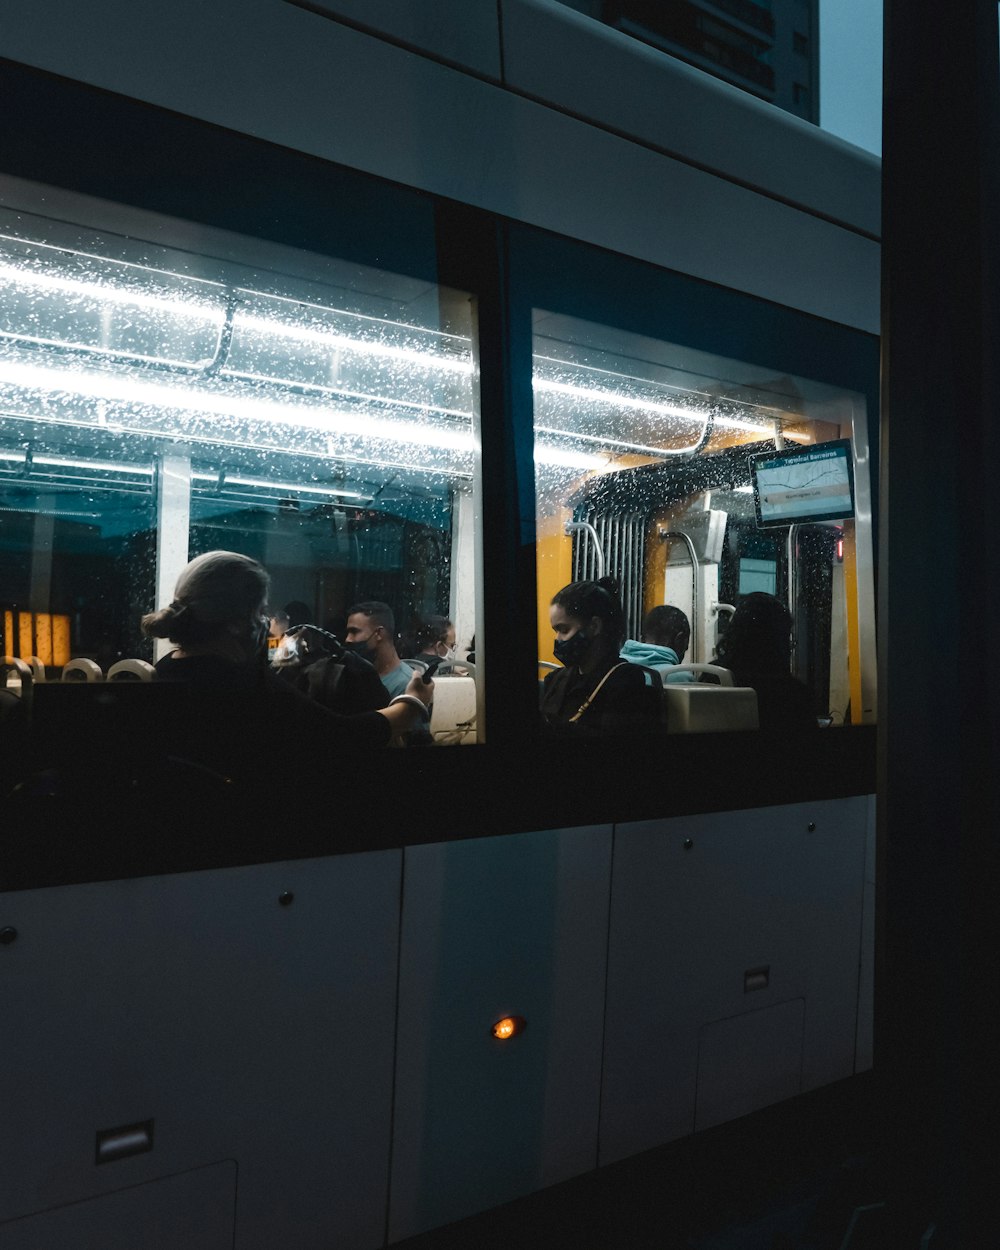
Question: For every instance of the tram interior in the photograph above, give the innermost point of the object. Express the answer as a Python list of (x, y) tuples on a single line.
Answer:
[(667, 505), (161, 399)]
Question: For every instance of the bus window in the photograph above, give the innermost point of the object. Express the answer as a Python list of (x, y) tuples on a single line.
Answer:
[(699, 484), (162, 399)]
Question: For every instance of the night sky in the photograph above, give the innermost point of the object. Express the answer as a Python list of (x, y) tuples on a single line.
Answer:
[(850, 72)]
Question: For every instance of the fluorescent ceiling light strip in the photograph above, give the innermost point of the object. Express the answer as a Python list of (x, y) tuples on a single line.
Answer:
[(64, 462), (343, 342), (754, 427), (565, 458), (128, 390), (33, 280), (594, 396), (614, 444), (448, 472), (345, 393), (326, 310), (261, 483)]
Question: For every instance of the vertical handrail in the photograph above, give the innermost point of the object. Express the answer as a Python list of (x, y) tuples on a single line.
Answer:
[(581, 527), (667, 536), (793, 587)]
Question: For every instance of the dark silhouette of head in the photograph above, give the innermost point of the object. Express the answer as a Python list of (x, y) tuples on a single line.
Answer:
[(759, 637), (219, 595)]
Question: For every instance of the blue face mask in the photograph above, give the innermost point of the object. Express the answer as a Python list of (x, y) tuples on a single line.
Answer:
[(571, 650)]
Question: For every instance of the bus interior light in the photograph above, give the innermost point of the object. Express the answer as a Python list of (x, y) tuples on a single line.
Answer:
[(284, 488), (88, 384)]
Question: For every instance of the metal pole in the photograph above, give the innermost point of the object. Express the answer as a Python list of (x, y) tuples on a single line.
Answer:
[(937, 1022)]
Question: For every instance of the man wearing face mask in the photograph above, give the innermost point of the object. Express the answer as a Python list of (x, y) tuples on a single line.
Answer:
[(595, 691), (370, 632)]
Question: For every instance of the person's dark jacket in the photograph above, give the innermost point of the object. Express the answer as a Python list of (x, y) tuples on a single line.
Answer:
[(242, 708), (628, 700), (783, 702)]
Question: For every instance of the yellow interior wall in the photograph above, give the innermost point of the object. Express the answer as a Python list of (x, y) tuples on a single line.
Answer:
[(853, 631), (43, 637), (60, 640), (25, 635), (554, 564), (656, 565)]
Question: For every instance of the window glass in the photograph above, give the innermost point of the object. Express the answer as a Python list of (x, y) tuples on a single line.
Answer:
[(160, 399), (647, 457)]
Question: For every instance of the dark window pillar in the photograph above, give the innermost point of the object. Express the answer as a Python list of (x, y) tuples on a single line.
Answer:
[(937, 1013)]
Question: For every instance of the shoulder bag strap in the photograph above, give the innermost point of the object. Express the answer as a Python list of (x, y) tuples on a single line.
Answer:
[(593, 694)]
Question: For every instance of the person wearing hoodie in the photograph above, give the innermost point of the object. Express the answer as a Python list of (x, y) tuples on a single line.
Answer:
[(666, 634)]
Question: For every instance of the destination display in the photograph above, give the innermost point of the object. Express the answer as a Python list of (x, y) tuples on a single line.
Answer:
[(805, 484)]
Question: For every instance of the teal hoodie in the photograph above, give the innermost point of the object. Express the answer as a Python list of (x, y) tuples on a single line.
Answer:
[(662, 659)]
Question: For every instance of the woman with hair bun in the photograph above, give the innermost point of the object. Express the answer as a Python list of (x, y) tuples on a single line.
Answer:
[(218, 622), (595, 691)]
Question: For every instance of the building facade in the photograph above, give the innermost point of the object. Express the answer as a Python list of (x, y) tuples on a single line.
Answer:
[(767, 47)]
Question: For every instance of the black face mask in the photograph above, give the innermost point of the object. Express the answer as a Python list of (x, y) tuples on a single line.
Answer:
[(358, 648), (571, 650)]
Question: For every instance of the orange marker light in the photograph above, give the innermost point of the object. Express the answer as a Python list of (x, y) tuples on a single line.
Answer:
[(509, 1027)]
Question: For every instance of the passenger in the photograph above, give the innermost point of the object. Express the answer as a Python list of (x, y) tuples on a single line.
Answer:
[(595, 691), (370, 633), (433, 639), (217, 621), (298, 613), (666, 634), (757, 648), (338, 678)]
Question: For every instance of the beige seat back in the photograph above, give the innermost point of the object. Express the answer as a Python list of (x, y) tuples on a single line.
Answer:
[(694, 708), (17, 673), (131, 670), (453, 715), (82, 670)]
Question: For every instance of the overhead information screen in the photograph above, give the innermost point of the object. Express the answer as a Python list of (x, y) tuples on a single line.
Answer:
[(806, 484)]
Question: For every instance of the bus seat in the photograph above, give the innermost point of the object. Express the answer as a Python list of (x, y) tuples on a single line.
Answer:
[(37, 668), (82, 670), (22, 673), (131, 670), (453, 714), (698, 708)]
